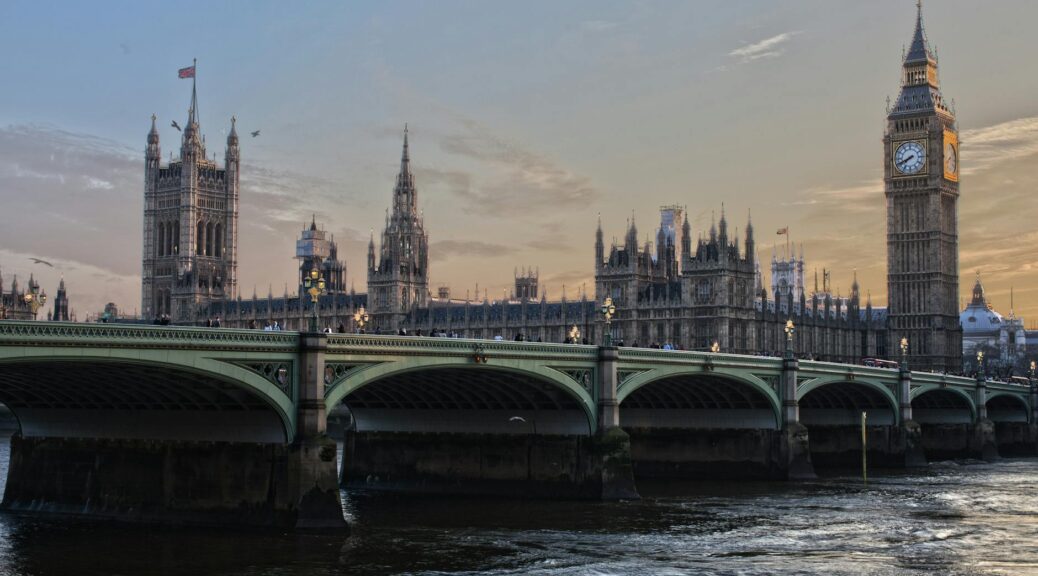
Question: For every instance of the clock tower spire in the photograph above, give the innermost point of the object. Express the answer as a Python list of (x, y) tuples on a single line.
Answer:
[(921, 181)]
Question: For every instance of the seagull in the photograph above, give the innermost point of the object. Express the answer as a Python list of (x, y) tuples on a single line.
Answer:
[(175, 125), (38, 261), (256, 133)]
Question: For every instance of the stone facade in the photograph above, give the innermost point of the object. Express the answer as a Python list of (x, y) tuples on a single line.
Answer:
[(921, 175), (190, 253)]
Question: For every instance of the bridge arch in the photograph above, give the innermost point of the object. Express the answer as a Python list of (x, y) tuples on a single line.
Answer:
[(681, 397), (458, 395), (839, 400), (1007, 407), (141, 394), (934, 404)]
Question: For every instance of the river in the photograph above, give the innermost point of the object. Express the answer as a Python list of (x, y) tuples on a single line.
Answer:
[(949, 519)]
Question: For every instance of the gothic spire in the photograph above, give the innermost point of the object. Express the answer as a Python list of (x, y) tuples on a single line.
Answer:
[(153, 134), (919, 51), (232, 138)]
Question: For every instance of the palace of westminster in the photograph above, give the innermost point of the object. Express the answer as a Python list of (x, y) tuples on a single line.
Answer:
[(679, 291)]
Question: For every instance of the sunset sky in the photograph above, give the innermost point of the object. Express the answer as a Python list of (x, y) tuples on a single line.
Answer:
[(527, 119)]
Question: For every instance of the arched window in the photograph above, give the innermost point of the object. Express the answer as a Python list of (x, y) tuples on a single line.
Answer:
[(176, 238), (160, 240), (200, 239), (218, 241), (209, 239)]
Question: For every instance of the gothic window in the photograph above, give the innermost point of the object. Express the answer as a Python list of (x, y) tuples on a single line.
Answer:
[(160, 240), (176, 238), (209, 239), (200, 238), (218, 241)]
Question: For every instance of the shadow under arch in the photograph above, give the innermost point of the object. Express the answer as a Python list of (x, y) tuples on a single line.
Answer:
[(1007, 407), (127, 397), (682, 398), (937, 405), (837, 401), (459, 396)]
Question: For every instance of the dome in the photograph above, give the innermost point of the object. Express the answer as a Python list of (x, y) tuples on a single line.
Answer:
[(978, 318)]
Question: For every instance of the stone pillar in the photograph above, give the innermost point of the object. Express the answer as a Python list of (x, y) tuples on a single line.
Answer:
[(984, 441), (1034, 401), (904, 395), (909, 433), (794, 453), (608, 408), (981, 397), (313, 494), (611, 446)]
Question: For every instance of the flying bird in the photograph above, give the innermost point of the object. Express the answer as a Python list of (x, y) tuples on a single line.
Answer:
[(175, 125), (38, 261), (256, 133)]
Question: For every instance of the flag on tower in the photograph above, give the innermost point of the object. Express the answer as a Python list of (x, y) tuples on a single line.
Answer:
[(782, 231), (188, 72)]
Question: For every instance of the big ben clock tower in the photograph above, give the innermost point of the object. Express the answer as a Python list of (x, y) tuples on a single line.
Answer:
[(921, 177)]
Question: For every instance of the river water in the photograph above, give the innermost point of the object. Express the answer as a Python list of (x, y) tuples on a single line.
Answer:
[(950, 519)]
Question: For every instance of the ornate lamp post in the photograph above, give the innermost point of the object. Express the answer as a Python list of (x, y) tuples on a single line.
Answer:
[(715, 347), (608, 311), (980, 365), (574, 335), (34, 299), (360, 318), (314, 285), (1031, 371), (789, 330), (904, 354)]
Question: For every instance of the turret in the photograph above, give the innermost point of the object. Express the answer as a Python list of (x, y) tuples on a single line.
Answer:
[(599, 245), (153, 152), (723, 230), (371, 252), (751, 246)]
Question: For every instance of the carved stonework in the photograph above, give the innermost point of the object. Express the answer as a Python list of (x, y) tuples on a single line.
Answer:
[(277, 373), (336, 373), (624, 375), (585, 377)]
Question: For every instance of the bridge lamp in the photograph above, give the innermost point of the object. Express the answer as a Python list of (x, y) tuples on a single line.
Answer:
[(1032, 369), (789, 330), (315, 287), (608, 311), (34, 299), (980, 363), (360, 318), (904, 353), (715, 347), (574, 335)]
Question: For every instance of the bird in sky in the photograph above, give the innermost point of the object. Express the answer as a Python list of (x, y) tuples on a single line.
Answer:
[(38, 261), (256, 133), (175, 125)]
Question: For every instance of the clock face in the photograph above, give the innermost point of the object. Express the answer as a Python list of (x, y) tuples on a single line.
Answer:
[(909, 158), (951, 163)]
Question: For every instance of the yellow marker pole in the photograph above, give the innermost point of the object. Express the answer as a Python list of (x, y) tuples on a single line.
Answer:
[(864, 451)]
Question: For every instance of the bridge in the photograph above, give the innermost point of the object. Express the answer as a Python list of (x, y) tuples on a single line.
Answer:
[(230, 426)]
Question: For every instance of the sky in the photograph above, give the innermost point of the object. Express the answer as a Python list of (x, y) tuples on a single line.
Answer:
[(527, 121)]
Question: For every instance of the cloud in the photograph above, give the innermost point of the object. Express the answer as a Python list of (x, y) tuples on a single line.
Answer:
[(767, 48), (445, 249), (521, 182), (983, 148)]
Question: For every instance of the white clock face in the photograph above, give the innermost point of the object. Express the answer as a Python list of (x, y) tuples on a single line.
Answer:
[(909, 158), (950, 161)]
